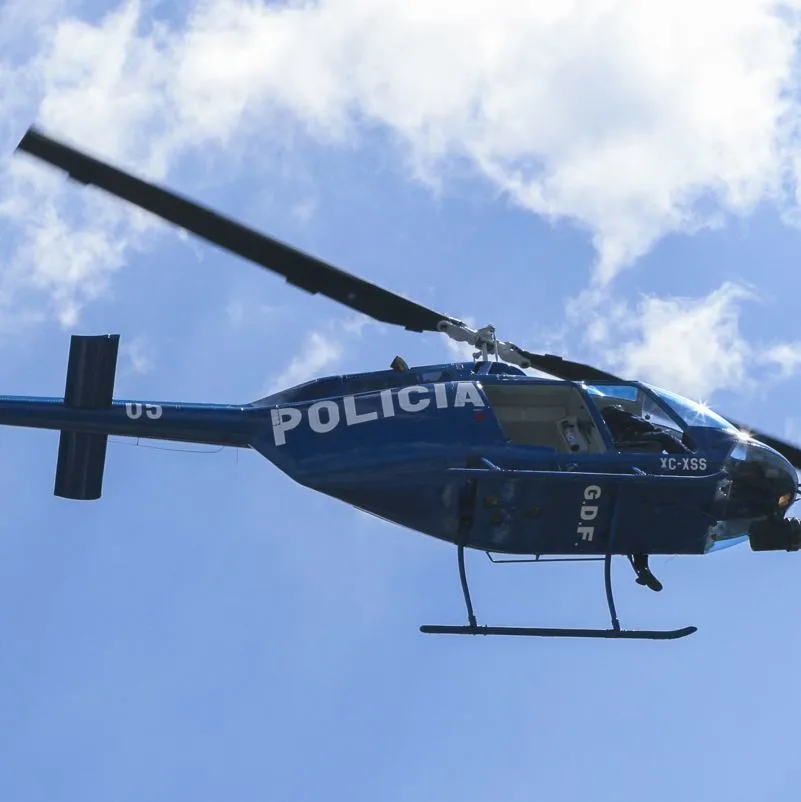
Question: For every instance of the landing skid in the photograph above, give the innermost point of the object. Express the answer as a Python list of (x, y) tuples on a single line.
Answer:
[(549, 632), (615, 632)]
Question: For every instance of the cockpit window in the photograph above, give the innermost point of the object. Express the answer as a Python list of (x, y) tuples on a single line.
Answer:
[(691, 412), (637, 421), (634, 400)]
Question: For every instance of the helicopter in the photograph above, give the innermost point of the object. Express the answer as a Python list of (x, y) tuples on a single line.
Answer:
[(575, 464)]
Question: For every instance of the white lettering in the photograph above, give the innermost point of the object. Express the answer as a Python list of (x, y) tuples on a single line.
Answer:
[(467, 393), (387, 406), (352, 417), (588, 512), (405, 402), (284, 420), (332, 414), (325, 416), (684, 463), (134, 411)]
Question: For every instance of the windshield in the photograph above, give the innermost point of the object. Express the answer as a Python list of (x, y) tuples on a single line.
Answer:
[(634, 400), (691, 412)]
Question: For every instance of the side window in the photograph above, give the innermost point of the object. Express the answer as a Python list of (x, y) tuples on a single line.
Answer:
[(553, 416)]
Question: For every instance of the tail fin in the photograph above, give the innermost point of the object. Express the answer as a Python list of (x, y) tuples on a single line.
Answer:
[(90, 385)]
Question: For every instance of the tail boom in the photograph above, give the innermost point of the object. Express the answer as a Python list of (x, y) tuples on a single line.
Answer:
[(213, 424)]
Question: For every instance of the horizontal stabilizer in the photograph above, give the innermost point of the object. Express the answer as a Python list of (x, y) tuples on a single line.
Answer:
[(90, 385)]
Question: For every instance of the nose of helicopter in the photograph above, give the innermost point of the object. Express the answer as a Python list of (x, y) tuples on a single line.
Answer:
[(784, 477), (763, 472)]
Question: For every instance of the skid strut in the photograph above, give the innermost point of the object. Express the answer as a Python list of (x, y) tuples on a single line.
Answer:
[(473, 628)]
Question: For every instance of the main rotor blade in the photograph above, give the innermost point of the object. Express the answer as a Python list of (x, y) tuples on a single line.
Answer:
[(565, 369), (300, 269), (789, 451)]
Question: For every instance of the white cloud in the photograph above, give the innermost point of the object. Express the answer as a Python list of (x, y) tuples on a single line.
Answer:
[(139, 354), (692, 345), (461, 352), (323, 350), (320, 351), (107, 85), (65, 249), (630, 119), (785, 356)]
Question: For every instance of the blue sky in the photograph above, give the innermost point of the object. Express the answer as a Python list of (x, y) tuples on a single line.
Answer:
[(209, 630)]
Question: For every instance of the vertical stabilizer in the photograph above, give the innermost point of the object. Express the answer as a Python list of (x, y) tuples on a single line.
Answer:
[(90, 385)]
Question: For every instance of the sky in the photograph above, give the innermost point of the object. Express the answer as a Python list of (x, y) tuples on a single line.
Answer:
[(615, 181)]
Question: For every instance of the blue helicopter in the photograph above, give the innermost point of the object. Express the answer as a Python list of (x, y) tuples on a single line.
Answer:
[(576, 465)]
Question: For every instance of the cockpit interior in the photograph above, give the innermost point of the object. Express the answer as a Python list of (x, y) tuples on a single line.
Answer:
[(567, 419)]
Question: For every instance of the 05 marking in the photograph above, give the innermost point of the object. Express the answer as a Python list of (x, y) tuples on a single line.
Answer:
[(135, 411)]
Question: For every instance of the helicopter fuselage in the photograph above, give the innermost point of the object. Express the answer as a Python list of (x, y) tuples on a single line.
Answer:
[(478, 454), (488, 456), (481, 455)]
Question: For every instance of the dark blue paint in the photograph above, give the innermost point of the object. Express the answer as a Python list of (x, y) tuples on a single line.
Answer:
[(428, 469)]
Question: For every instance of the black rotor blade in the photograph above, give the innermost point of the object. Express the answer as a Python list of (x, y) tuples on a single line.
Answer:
[(299, 269), (789, 451), (565, 369)]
